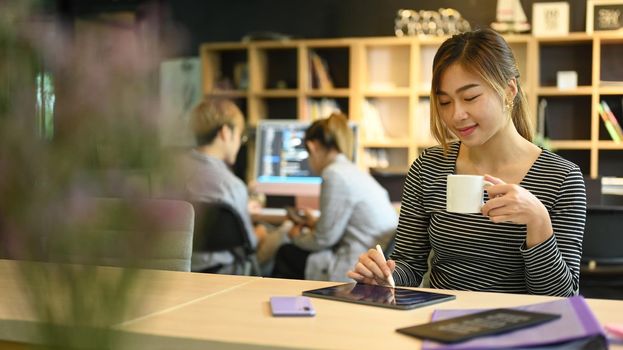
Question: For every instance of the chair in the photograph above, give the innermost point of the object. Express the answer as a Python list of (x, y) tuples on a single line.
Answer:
[(601, 273), (141, 233), (219, 227)]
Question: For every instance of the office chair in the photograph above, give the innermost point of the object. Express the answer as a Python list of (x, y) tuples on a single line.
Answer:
[(139, 233), (218, 228), (601, 273)]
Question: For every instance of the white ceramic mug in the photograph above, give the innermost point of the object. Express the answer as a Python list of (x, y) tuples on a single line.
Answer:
[(465, 193)]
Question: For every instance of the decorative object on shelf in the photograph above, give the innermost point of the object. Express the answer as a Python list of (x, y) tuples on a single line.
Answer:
[(510, 17), (241, 76), (567, 79), (604, 15), (550, 18), (445, 21)]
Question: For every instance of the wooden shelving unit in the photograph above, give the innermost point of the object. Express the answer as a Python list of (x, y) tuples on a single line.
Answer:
[(391, 76), (572, 120)]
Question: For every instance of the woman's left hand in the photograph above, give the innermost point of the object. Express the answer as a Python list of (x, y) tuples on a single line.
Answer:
[(295, 231), (513, 203), (310, 218)]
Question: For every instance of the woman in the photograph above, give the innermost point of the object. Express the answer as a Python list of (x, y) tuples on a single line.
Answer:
[(355, 211), (528, 236)]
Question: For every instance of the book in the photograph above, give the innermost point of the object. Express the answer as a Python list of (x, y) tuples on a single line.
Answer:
[(576, 324), (613, 119), (609, 127), (611, 185), (320, 70)]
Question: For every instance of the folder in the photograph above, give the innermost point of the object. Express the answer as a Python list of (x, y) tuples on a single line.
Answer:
[(576, 327)]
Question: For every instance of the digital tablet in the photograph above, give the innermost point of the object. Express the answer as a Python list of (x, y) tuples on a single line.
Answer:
[(478, 324), (395, 298)]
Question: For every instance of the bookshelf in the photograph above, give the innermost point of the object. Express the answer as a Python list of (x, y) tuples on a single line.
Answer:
[(572, 119), (383, 83)]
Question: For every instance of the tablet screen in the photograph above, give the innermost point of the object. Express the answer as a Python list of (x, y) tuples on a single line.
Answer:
[(396, 298)]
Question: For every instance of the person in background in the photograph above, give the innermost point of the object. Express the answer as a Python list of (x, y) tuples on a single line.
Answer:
[(528, 236), (218, 126), (355, 211)]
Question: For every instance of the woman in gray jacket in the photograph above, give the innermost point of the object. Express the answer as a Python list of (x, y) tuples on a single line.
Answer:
[(355, 211)]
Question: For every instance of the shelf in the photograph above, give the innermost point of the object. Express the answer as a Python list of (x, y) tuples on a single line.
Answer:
[(389, 143), (610, 145), (383, 83), (423, 93), (554, 91), (611, 90), (223, 46), (277, 93), (570, 144), (394, 92), (328, 93), (229, 93), (566, 39)]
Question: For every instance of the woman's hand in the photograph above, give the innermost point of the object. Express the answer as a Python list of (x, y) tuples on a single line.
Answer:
[(371, 269), (295, 231), (310, 218), (513, 203), (260, 232)]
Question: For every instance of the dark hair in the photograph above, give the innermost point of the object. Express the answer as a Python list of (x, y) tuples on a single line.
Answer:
[(332, 133), (485, 53)]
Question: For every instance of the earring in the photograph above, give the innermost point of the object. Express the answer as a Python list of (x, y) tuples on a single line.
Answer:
[(508, 106)]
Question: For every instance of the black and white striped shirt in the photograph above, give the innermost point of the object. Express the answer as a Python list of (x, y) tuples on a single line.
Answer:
[(473, 253)]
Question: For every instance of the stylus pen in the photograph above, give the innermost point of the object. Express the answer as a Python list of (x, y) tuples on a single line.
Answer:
[(390, 279)]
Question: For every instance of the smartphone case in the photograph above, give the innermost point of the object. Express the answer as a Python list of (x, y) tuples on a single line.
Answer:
[(291, 306)]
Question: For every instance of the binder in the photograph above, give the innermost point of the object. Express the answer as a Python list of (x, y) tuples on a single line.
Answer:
[(576, 327)]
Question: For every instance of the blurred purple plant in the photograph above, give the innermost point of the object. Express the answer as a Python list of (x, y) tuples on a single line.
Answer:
[(105, 121)]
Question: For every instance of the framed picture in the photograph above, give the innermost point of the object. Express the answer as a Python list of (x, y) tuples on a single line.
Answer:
[(604, 15), (550, 18)]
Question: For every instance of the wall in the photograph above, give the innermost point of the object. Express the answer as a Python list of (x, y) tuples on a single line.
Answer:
[(230, 20)]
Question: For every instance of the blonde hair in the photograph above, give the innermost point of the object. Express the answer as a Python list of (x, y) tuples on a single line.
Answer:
[(332, 133), (485, 53), (211, 115)]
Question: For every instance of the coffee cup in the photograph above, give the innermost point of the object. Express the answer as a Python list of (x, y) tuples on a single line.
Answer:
[(465, 193)]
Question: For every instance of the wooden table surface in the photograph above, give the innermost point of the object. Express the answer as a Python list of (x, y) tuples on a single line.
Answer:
[(204, 311)]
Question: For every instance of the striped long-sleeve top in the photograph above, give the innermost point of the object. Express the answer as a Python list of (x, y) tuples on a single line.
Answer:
[(473, 253)]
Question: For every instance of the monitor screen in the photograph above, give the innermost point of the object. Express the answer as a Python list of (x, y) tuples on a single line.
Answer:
[(281, 164)]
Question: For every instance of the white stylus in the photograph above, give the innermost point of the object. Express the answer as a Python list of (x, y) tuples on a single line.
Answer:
[(390, 279)]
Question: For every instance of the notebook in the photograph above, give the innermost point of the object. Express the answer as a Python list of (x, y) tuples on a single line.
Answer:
[(577, 325)]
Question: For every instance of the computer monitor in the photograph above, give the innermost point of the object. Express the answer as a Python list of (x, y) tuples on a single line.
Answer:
[(281, 165)]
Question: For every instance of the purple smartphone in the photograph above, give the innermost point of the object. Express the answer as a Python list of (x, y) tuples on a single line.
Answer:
[(291, 306)]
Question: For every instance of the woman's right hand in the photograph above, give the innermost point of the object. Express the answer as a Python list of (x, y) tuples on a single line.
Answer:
[(371, 269)]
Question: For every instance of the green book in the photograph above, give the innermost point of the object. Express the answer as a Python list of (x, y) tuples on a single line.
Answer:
[(611, 129)]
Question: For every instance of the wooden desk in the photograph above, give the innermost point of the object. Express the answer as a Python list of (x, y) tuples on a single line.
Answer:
[(201, 311)]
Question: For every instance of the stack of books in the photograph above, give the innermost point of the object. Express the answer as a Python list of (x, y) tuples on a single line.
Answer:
[(612, 185)]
